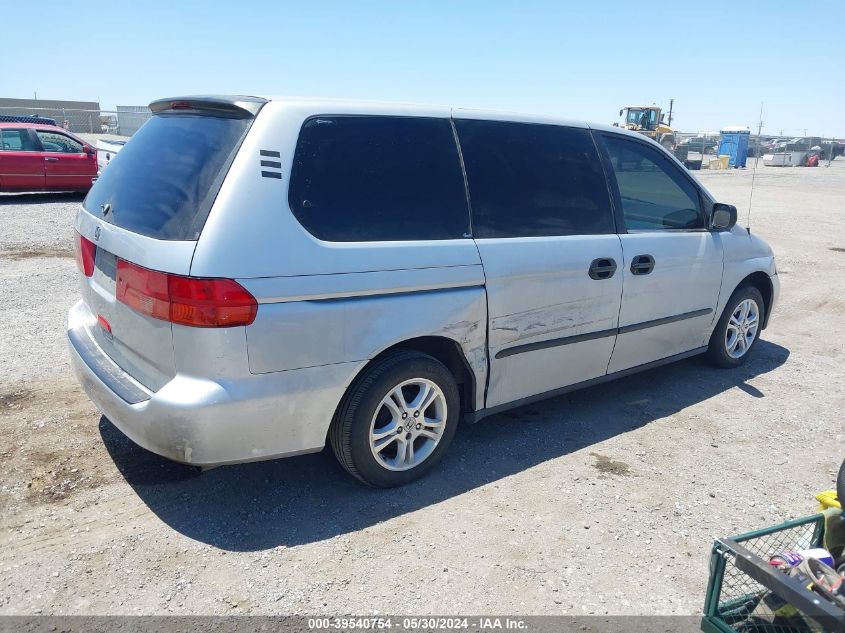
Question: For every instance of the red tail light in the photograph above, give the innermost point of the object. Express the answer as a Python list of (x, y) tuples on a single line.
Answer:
[(185, 300), (85, 252), (143, 290)]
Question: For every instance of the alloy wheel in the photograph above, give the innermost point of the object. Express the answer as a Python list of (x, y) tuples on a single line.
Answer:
[(742, 328), (408, 424)]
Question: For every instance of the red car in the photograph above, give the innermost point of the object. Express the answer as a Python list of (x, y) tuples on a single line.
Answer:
[(37, 157)]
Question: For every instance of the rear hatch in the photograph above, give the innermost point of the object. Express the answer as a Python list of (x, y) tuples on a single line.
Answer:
[(139, 226)]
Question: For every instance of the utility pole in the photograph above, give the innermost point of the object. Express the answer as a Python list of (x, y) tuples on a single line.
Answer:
[(671, 103)]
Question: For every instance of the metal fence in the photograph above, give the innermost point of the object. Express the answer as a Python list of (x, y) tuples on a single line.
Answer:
[(124, 121)]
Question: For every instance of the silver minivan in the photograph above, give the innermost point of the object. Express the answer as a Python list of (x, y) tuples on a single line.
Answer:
[(261, 276)]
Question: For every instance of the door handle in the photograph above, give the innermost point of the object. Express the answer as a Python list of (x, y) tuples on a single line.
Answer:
[(602, 268), (51, 159), (642, 265)]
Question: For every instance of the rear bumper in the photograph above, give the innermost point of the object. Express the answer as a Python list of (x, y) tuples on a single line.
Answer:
[(205, 422)]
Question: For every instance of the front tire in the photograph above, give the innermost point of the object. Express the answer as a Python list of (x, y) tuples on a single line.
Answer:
[(738, 330), (397, 419)]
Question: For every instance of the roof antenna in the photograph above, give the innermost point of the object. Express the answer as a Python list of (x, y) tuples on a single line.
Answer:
[(754, 174)]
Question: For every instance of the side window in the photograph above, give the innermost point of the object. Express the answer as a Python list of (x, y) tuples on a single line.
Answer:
[(16, 140), (528, 180), (655, 194), (378, 178), (56, 142)]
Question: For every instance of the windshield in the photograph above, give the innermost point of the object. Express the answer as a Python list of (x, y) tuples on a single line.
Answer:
[(163, 182)]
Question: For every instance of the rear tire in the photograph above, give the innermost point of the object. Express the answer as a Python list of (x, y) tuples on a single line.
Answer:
[(396, 420), (738, 330)]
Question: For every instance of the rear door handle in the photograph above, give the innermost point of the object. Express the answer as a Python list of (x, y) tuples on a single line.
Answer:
[(642, 265), (602, 268), (51, 159)]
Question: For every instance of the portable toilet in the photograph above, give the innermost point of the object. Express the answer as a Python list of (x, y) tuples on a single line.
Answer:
[(734, 144)]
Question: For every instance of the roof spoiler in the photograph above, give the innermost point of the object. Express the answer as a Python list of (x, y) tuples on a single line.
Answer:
[(235, 106)]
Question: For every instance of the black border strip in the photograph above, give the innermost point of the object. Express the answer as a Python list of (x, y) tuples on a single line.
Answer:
[(271, 174), (271, 154), (398, 622), (590, 336), (271, 163)]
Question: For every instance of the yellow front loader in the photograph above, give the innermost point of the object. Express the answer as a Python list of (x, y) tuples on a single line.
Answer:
[(649, 121)]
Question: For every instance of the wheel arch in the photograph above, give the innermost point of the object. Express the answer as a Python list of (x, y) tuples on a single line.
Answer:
[(449, 352), (762, 282)]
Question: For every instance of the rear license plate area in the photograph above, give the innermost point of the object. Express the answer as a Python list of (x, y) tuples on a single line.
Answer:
[(105, 270)]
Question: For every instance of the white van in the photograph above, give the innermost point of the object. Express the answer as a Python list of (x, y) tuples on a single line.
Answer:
[(106, 150), (260, 276)]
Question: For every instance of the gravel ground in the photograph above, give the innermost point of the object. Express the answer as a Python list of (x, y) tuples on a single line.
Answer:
[(602, 501)]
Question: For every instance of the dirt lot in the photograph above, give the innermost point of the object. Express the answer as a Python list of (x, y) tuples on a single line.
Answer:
[(603, 501)]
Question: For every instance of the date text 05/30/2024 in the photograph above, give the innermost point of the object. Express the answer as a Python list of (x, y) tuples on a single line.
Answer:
[(376, 623)]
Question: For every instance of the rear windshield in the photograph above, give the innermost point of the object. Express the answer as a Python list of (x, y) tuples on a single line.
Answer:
[(163, 182)]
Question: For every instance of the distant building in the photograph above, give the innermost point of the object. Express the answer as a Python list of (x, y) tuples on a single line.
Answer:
[(29, 104), (84, 117), (76, 116), (130, 118)]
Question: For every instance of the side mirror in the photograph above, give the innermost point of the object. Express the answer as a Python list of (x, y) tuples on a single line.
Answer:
[(88, 149), (723, 217), (621, 111)]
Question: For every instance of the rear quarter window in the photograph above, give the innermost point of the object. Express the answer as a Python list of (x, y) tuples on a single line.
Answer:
[(378, 178), (165, 179)]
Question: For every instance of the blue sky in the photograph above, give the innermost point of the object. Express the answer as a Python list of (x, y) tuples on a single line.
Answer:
[(582, 60)]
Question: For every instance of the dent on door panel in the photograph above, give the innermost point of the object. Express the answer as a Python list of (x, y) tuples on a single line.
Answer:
[(551, 325)]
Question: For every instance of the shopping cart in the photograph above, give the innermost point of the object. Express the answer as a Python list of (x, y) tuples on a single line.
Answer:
[(747, 595)]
